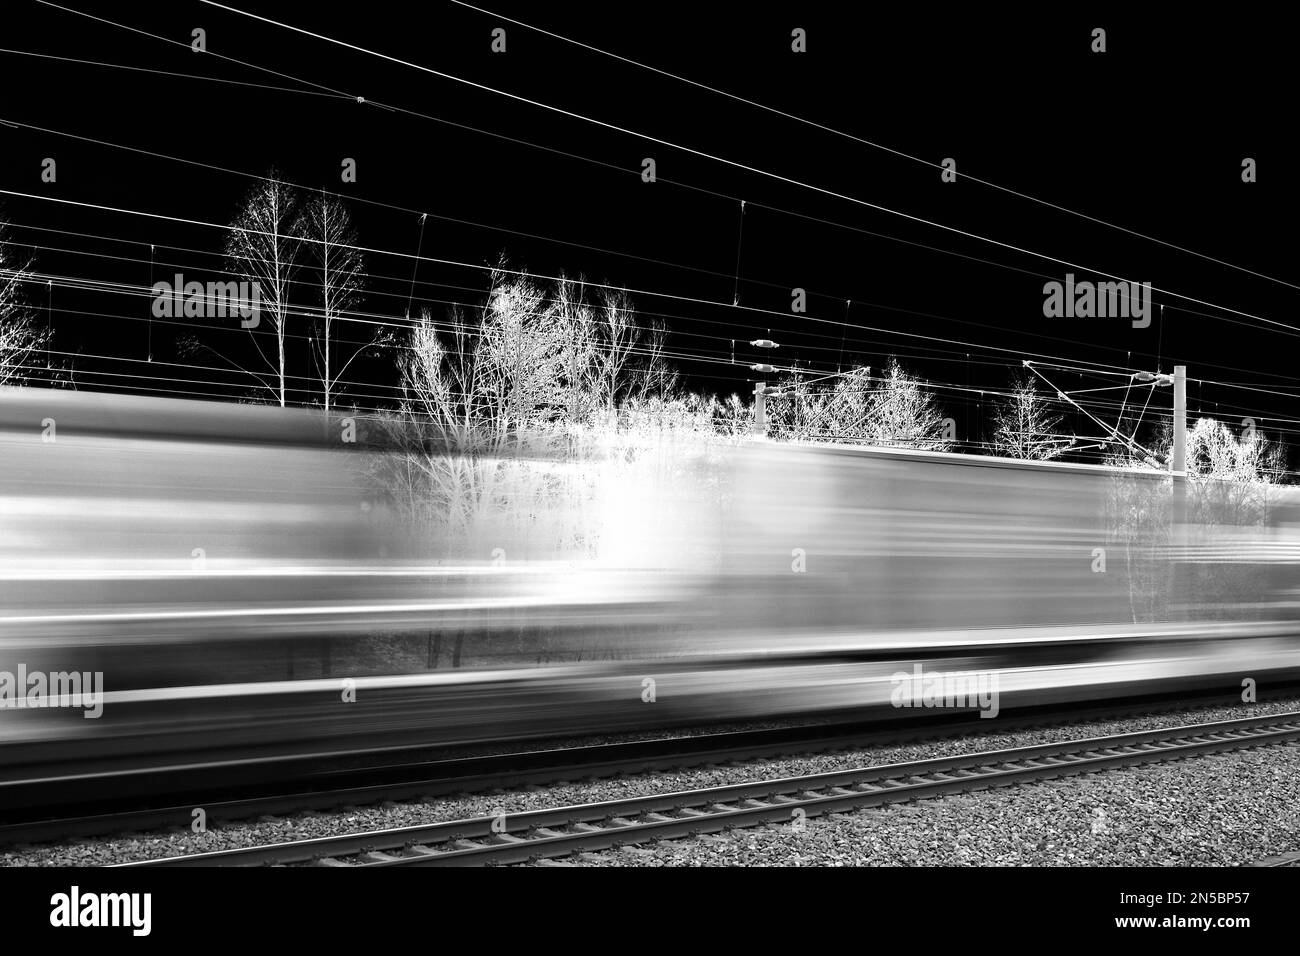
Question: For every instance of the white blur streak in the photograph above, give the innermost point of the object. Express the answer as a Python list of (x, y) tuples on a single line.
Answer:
[(208, 557)]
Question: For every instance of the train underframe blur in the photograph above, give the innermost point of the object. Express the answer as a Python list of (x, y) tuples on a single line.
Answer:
[(247, 580)]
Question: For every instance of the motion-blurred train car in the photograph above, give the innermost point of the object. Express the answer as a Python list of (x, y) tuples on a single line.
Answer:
[(176, 542), (245, 577), (876, 540)]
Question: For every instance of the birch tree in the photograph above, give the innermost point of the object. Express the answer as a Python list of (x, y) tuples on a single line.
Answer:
[(264, 246), (339, 267)]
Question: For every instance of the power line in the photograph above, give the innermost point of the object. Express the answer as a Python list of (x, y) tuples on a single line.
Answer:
[(655, 261), (858, 139), (805, 217), (186, 46), (1279, 325), (184, 76), (452, 262), (678, 317), (713, 157)]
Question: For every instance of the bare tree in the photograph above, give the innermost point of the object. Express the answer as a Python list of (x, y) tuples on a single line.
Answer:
[(842, 410), (264, 247), (808, 411), (19, 335), (893, 410), (629, 361), (902, 413), (732, 418), (520, 356), (485, 383), (1213, 451), (609, 357), (1024, 425), (340, 266), (579, 328)]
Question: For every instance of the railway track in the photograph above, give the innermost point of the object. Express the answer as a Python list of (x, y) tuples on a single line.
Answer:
[(547, 834), (407, 777)]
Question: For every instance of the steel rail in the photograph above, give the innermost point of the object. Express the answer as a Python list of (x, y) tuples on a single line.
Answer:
[(520, 837), (405, 776)]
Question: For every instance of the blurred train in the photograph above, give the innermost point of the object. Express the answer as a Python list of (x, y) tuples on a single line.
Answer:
[(234, 578)]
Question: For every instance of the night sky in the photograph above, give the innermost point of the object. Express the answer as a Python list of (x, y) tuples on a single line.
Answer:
[(1148, 136)]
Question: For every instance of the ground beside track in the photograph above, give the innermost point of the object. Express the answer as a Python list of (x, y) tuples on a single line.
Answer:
[(1223, 809), (306, 825)]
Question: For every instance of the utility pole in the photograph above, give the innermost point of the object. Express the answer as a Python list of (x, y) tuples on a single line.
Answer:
[(760, 411), (1179, 461), (1178, 466), (759, 430)]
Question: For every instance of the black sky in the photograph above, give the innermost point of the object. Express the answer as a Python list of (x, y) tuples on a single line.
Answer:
[(1149, 135)]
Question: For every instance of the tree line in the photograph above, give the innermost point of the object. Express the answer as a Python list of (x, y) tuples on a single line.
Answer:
[(539, 355)]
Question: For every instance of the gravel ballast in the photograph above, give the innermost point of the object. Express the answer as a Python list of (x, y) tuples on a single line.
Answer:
[(1222, 809)]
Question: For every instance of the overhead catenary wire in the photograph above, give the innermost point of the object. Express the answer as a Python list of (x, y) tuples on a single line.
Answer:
[(703, 154), (696, 300), (1090, 370), (863, 141), (665, 353), (263, 87), (737, 273), (636, 350), (1280, 326), (560, 152), (1130, 443)]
